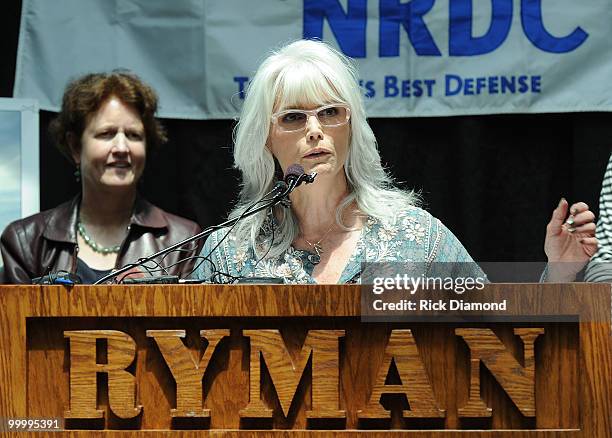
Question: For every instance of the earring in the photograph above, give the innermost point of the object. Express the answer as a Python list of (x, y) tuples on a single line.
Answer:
[(77, 173)]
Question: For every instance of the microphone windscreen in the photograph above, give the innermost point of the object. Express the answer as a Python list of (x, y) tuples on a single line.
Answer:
[(294, 170)]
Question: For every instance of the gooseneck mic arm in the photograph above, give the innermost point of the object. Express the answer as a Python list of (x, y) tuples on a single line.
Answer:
[(294, 176)]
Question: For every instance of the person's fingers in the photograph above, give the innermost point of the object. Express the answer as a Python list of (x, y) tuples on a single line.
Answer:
[(578, 207), (585, 229), (558, 217), (581, 218), (589, 245), (591, 241)]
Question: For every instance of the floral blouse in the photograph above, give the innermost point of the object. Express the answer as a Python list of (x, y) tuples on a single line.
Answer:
[(414, 236)]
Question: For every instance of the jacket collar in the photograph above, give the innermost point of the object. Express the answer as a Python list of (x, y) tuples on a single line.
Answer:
[(62, 221), (147, 215)]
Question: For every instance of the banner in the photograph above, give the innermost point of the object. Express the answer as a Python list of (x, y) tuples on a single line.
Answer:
[(415, 57)]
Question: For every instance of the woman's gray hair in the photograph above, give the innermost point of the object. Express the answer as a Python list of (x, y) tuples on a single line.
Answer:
[(307, 73)]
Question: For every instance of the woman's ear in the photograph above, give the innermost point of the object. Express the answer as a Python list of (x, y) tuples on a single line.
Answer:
[(75, 151)]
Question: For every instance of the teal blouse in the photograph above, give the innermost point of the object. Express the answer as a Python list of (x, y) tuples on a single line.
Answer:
[(413, 236)]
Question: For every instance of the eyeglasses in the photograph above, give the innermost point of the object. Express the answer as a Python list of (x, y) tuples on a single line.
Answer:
[(329, 115)]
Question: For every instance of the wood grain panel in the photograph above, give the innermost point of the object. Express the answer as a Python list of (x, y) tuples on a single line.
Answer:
[(303, 434), (187, 371), (414, 382), (84, 369), (14, 308), (516, 379), (572, 359), (286, 373)]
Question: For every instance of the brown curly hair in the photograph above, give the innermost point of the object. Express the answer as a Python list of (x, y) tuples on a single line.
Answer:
[(84, 96)]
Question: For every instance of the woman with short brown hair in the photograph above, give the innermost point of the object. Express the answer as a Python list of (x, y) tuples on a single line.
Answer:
[(106, 127)]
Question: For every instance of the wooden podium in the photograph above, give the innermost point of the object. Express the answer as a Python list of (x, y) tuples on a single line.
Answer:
[(296, 361)]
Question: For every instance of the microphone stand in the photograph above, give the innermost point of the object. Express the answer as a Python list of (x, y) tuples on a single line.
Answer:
[(276, 199)]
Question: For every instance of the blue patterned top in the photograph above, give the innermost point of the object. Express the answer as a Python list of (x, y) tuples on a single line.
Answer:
[(413, 236)]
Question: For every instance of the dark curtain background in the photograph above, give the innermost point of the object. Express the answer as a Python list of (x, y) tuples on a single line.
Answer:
[(493, 180)]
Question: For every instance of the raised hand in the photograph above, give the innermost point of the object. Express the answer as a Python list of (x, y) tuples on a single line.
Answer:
[(570, 240)]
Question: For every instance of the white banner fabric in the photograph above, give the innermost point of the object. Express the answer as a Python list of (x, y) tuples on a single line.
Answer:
[(416, 57)]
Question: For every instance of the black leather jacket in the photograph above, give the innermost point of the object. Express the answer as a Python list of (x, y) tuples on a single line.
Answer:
[(47, 242)]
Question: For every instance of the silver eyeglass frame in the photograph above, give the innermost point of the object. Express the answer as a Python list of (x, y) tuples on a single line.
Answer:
[(309, 113)]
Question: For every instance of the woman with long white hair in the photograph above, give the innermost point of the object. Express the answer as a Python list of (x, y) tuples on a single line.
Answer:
[(304, 106)]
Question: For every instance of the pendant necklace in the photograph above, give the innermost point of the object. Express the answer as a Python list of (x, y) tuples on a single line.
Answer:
[(315, 258)]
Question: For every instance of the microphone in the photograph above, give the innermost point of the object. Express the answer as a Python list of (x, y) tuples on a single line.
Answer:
[(295, 175), (275, 196)]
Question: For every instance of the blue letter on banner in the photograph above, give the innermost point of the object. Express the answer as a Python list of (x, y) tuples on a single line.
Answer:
[(462, 43), (531, 16), (349, 28), (410, 15)]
